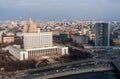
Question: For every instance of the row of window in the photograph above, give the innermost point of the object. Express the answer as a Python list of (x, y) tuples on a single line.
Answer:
[(42, 52)]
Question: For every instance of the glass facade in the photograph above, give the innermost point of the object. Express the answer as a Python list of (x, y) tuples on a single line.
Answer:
[(102, 35)]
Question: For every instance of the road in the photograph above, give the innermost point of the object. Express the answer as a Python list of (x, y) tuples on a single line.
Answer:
[(69, 69)]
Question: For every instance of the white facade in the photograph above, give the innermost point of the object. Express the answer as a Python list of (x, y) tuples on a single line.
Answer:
[(64, 51), (19, 34), (30, 53), (18, 53), (37, 40), (47, 51), (36, 44)]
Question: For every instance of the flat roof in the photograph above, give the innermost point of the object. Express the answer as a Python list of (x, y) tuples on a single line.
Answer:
[(17, 48)]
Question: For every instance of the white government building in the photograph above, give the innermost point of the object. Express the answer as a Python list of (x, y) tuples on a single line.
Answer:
[(37, 44)]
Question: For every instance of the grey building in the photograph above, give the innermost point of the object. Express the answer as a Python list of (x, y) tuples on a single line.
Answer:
[(81, 39), (102, 34)]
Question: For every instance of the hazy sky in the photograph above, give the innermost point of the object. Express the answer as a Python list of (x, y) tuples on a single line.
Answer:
[(60, 9)]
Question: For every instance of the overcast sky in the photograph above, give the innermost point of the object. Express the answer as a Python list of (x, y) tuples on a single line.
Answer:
[(60, 9)]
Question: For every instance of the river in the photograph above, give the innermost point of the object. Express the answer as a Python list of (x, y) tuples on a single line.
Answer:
[(98, 75)]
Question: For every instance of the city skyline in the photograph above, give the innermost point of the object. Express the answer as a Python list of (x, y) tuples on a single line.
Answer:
[(63, 9)]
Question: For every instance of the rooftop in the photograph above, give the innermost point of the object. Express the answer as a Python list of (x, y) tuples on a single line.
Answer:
[(18, 49)]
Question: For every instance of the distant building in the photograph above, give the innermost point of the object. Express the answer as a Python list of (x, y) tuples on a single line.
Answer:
[(8, 39), (19, 34), (116, 33), (63, 36), (92, 36), (0, 37), (30, 27), (81, 39), (102, 34), (116, 41)]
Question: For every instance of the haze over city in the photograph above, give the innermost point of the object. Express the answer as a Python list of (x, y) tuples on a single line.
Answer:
[(60, 9), (59, 39)]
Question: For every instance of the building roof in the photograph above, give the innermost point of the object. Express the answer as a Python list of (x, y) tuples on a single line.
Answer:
[(17, 48)]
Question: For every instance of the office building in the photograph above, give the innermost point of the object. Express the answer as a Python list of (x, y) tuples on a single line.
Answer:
[(38, 40), (102, 34)]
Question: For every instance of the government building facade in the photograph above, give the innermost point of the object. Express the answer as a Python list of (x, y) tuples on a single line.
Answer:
[(36, 44)]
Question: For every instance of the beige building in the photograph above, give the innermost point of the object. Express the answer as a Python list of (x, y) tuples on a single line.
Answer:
[(8, 39), (116, 41), (0, 37), (30, 27)]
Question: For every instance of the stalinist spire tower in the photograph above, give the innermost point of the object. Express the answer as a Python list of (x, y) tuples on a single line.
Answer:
[(30, 27)]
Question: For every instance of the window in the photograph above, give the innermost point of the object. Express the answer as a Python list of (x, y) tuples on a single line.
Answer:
[(23, 56)]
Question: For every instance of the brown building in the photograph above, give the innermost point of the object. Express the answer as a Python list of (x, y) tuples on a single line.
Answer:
[(116, 41), (8, 39)]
